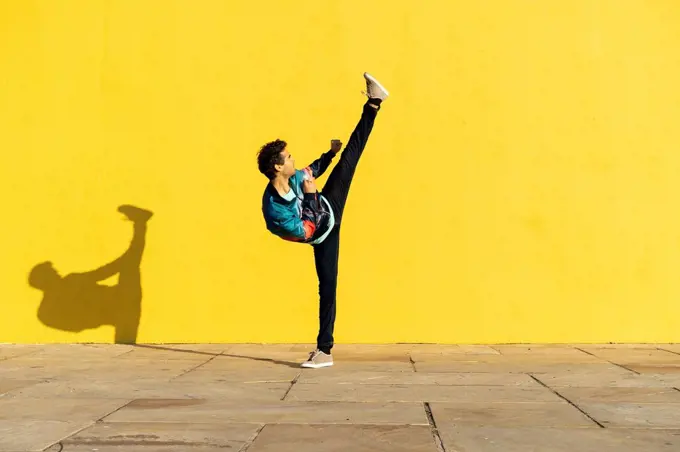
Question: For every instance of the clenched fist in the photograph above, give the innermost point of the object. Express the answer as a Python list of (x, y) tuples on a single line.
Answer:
[(336, 145), (309, 185)]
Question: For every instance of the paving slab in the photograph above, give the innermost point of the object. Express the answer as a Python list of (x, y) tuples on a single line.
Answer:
[(246, 362), (655, 369), (369, 366), (14, 369), (377, 353), (33, 367), (8, 351), (618, 377), (374, 357), (130, 362), (548, 414), (7, 385), (400, 348), (224, 363), (368, 348), (542, 350), (57, 409), (452, 350), (340, 438), (125, 374), (671, 379), (264, 355), (479, 349), (167, 354), (126, 360), (79, 351), (675, 348), (33, 435), (254, 392), (197, 410), (230, 447), (208, 349), (121, 378), (420, 393), (269, 348), (161, 436), (416, 378), (638, 415), (619, 346), (513, 367), (511, 359), (280, 374), (626, 395), (636, 356), (539, 439)]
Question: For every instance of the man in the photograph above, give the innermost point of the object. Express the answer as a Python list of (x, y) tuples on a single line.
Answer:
[(294, 210)]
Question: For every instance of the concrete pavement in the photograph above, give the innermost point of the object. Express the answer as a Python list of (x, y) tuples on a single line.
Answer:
[(396, 398)]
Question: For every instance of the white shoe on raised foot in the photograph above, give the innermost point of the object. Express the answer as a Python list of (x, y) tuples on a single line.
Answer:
[(318, 359), (374, 90)]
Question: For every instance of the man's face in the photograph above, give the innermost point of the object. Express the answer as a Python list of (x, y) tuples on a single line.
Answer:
[(287, 169)]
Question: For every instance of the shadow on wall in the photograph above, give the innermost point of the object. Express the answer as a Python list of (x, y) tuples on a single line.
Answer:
[(77, 301)]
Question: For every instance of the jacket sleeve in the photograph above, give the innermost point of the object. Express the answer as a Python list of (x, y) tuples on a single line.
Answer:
[(302, 229), (320, 165)]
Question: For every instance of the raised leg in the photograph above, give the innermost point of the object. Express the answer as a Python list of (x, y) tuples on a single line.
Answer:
[(337, 186)]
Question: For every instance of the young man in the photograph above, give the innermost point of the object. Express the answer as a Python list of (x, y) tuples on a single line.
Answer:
[(294, 210)]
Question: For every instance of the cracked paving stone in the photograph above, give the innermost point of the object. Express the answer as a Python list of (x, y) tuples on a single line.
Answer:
[(166, 437), (197, 410), (523, 439), (335, 438)]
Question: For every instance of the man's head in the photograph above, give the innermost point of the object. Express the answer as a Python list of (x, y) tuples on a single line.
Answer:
[(274, 159), (43, 276)]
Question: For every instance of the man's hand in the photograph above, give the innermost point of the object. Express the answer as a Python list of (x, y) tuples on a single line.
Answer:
[(336, 145), (309, 185)]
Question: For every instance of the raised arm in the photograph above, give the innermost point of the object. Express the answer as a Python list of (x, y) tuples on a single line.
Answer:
[(320, 165)]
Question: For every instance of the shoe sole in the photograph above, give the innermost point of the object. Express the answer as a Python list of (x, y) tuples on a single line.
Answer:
[(316, 366), (373, 80)]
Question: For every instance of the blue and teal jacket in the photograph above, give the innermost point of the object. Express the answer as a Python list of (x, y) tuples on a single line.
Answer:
[(299, 216)]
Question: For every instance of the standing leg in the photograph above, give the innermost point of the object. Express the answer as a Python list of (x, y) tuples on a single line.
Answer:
[(129, 289), (337, 186), (326, 259)]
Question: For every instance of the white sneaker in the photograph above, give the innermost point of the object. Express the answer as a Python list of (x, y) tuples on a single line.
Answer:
[(318, 359), (374, 90)]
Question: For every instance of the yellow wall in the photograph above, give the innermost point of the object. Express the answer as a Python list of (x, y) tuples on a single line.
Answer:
[(521, 184)]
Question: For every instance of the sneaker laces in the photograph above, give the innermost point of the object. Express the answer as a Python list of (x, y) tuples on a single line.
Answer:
[(367, 93), (314, 354)]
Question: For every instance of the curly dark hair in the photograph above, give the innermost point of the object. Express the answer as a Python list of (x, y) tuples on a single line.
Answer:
[(270, 155)]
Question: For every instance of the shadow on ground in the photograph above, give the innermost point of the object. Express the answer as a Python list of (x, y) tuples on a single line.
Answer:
[(228, 355)]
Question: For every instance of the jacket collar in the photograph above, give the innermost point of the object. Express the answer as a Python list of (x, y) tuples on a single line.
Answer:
[(287, 198)]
